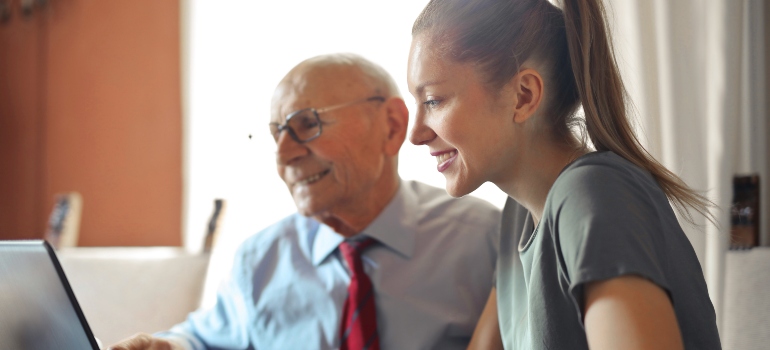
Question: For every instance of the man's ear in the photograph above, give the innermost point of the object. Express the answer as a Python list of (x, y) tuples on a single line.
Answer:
[(397, 123), (527, 88)]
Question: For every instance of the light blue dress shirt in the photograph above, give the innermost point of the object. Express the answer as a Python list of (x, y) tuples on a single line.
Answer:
[(432, 272)]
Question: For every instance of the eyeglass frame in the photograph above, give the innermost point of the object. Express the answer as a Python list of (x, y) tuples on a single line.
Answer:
[(316, 112)]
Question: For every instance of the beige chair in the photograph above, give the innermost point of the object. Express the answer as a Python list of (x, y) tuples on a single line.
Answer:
[(746, 315)]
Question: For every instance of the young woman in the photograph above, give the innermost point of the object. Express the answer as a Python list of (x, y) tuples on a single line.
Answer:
[(591, 252)]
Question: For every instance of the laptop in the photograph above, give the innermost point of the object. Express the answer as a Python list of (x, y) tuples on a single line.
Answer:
[(37, 307)]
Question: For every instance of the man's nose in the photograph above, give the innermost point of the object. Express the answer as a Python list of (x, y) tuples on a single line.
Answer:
[(288, 149), (421, 133)]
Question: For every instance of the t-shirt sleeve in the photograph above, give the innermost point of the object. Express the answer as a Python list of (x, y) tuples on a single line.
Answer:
[(606, 223)]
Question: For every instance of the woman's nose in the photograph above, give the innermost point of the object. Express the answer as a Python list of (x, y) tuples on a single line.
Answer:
[(421, 133)]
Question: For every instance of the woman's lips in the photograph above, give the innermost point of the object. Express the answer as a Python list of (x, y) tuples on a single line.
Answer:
[(444, 159)]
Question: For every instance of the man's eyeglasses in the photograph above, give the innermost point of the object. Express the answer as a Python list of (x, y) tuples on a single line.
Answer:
[(304, 125)]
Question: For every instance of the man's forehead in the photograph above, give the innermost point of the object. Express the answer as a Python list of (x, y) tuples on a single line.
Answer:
[(305, 87)]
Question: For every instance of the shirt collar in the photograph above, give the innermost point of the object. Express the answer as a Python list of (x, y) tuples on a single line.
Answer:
[(393, 228)]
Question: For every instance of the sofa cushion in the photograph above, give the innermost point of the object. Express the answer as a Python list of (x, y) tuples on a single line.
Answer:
[(123, 291)]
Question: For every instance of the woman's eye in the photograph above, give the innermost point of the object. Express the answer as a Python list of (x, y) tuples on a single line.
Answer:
[(431, 103)]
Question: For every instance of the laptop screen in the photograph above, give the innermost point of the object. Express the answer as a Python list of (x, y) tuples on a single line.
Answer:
[(37, 307)]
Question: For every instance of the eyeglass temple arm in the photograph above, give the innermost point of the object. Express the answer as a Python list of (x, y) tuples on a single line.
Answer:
[(341, 105)]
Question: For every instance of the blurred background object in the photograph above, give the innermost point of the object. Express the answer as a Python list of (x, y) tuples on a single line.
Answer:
[(90, 100), (64, 223), (747, 300), (745, 212), (5, 11), (212, 230)]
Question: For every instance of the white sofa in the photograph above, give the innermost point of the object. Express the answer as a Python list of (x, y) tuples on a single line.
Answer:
[(123, 291)]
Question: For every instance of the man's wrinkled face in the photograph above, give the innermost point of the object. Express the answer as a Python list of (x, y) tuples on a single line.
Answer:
[(340, 168)]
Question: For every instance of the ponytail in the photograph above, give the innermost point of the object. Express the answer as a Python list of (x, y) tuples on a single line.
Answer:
[(603, 97)]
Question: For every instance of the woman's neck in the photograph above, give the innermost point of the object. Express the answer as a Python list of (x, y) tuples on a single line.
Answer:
[(536, 171)]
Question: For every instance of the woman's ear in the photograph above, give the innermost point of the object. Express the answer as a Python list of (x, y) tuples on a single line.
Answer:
[(397, 123), (527, 88)]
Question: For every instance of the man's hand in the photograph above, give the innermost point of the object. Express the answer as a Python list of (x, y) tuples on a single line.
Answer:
[(143, 341)]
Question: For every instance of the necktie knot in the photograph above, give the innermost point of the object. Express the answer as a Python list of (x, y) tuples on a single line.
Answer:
[(351, 250)]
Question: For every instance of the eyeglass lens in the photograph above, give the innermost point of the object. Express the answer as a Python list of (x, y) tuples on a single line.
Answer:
[(303, 125)]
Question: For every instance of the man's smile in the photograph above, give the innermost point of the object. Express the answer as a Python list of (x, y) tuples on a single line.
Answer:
[(312, 179)]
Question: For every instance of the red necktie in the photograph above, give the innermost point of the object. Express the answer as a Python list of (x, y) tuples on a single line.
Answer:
[(359, 315)]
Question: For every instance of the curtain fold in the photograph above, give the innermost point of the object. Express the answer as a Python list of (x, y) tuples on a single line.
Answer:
[(695, 72)]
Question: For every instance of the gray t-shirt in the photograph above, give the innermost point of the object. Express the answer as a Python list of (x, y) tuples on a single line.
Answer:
[(604, 217)]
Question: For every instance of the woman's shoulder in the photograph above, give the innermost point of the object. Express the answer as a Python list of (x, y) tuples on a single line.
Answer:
[(603, 163), (604, 168), (605, 179)]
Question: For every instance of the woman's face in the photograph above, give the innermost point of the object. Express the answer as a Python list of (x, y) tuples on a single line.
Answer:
[(468, 129)]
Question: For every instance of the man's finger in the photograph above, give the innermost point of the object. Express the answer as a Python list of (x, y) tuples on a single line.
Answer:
[(141, 341)]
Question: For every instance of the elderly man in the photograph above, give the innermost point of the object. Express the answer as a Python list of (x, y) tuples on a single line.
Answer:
[(370, 261)]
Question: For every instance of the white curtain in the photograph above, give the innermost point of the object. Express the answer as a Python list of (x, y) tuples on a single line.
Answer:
[(695, 71)]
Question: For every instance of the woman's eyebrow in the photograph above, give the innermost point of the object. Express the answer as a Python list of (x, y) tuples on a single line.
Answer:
[(420, 88)]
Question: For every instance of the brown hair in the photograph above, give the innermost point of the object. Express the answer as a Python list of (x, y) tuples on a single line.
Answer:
[(575, 52)]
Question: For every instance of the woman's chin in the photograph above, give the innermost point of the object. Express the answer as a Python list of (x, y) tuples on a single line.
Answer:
[(456, 189)]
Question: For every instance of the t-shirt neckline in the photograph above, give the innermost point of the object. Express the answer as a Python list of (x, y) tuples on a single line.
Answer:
[(529, 234)]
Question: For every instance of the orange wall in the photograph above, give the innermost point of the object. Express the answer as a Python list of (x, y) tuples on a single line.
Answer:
[(20, 135), (110, 120)]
